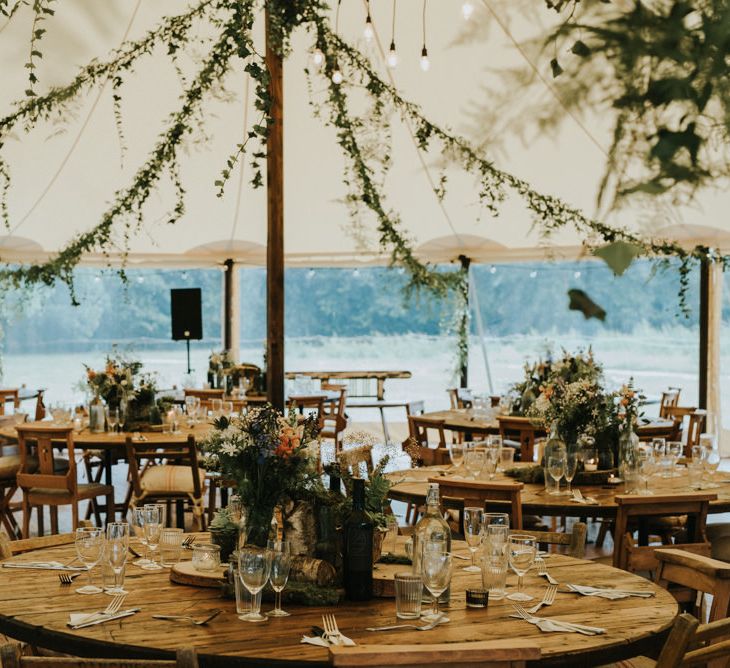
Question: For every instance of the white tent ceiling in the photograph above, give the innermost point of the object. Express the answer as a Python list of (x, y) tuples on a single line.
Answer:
[(62, 181)]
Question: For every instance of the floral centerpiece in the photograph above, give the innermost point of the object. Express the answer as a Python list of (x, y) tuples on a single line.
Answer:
[(272, 459), (218, 363), (571, 367)]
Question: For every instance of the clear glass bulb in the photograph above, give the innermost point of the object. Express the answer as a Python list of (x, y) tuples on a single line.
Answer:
[(368, 33), (467, 9), (392, 58), (317, 57), (425, 63), (337, 77)]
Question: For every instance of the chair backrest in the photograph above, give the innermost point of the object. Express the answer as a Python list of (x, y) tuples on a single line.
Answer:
[(335, 411), (8, 547), (460, 397), (483, 653), (139, 454), (420, 448), (631, 557), (690, 644), (213, 393), (10, 657), (670, 399), (684, 574), (37, 468), (521, 430), (695, 426), (9, 393), (352, 458), (574, 540)]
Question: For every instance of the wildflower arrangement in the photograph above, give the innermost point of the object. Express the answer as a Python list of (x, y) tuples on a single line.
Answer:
[(218, 361), (115, 383), (271, 457)]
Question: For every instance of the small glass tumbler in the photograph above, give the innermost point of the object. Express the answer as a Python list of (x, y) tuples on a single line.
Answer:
[(408, 595), (170, 546), (494, 575), (206, 557)]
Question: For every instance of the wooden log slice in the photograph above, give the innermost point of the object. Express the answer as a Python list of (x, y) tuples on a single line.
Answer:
[(184, 573)]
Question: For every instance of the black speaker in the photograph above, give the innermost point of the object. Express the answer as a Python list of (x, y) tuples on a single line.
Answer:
[(185, 309)]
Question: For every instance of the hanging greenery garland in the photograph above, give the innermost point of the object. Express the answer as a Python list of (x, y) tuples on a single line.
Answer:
[(343, 65)]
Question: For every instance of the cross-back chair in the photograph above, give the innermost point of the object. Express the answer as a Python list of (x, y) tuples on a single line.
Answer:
[(165, 472), (332, 416), (669, 400), (574, 540), (48, 481)]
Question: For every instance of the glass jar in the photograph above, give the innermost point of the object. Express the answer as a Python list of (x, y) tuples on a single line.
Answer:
[(206, 557)]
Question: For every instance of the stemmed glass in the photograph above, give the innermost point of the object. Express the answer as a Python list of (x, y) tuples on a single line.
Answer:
[(138, 528), (254, 568), (436, 567), (152, 529), (571, 466), (647, 466), (710, 463), (473, 533), (89, 548), (280, 567), (474, 461), (674, 452), (521, 553), (456, 454), (556, 469), (117, 546), (192, 404), (491, 459)]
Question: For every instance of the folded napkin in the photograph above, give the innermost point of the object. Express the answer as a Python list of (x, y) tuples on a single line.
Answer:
[(612, 594), (549, 625), (319, 641), (79, 620)]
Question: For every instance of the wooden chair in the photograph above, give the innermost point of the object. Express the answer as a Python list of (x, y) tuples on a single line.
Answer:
[(8, 548), (163, 472), (641, 510), (460, 397), (574, 541), (352, 459), (520, 433), (684, 574), (332, 417), (9, 393), (482, 653), (45, 483), (10, 657), (670, 399)]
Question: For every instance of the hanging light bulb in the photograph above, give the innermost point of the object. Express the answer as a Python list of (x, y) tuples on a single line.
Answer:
[(467, 9), (368, 33), (392, 56), (425, 62), (317, 57), (337, 77)]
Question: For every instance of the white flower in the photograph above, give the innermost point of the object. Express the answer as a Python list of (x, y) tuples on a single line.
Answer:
[(229, 448)]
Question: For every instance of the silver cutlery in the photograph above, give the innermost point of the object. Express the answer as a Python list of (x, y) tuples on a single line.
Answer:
[(547, 599), (188, 541), (459, 556), (586, 590), (424, 627), (546, 624), (106, 618), (578, 497), (543, 571), (67, 578), (331, 630), (188, 618), (114, 606)]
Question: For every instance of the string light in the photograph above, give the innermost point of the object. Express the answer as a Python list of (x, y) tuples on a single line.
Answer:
[(467, 9), (368, 33), (337, 77), (318, 57), (392, 58), (425, 62)]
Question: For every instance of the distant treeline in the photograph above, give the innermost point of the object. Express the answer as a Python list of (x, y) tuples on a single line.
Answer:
[(514, 299)]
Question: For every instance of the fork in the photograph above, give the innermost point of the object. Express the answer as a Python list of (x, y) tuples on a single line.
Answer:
[(331, 630), (188, 541), (542, 570), (197, 622), (554, 624), (113, 607), (67, 578), (547, 599)]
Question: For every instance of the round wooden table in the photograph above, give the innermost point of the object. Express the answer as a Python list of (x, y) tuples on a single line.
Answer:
[(34, 607), (411, 487)]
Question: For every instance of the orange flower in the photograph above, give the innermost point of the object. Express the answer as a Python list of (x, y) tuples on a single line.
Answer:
[(90, 374), (289, 440)]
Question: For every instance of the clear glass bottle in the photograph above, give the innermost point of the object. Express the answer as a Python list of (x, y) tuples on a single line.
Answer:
[(431, 527), (555, 447), (628, 456)]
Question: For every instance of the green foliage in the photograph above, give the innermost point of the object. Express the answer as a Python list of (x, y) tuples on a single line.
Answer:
[(223, 521)]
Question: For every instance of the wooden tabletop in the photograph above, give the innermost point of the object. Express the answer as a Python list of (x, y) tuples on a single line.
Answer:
[(411, 486), (34, 607)]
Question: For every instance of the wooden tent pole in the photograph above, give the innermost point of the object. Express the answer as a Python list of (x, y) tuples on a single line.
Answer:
[(705, 269), (275, 237)]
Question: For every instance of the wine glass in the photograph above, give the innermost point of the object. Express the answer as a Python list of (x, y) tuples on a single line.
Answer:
[(280, 567), (138, 528), (191, 408), (674, 452), (456, 454), (473, 533), (521, 553), (556, 469), (216, 407), (112, 418), (474, 461), (228, 409), (254, 568), (152, 529), (436, 567), (658, 446), (89, 548), (491, 459), (647, 466), (117, 546), (710, 463), (571, 466)]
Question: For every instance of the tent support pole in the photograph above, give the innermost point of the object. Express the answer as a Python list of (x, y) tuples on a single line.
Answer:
[(480, 329), (231, 339), (275, 233), (464, 375), (705, 268)]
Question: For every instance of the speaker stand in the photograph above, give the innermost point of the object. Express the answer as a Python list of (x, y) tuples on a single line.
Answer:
[(187, 343)]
